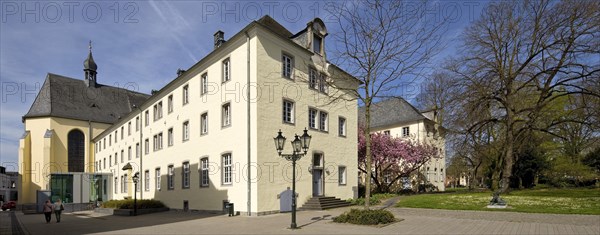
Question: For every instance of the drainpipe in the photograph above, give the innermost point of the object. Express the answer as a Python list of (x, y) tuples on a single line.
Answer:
[(141, 175), (89, 143), (249, 203)]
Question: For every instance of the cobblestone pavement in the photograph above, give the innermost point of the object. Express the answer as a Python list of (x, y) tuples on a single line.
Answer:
[(414, 221)]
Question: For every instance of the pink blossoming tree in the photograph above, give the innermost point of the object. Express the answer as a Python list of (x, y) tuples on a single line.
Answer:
[(393, 157)]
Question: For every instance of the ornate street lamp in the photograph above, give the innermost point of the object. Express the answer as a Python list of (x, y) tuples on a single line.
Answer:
[(135, 179), (300, 146)]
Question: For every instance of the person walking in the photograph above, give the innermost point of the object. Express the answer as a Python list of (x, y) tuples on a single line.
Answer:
[(48, 211), (58, 208)]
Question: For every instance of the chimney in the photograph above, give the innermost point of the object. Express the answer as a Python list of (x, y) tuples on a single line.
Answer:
[(219, 38)]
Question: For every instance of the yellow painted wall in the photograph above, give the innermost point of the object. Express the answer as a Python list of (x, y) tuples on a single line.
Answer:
[(41, 156)]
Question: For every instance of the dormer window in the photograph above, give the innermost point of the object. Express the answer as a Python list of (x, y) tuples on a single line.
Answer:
[(317, 43)]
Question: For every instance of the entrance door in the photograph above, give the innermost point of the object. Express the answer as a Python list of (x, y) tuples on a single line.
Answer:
[(317, 182)]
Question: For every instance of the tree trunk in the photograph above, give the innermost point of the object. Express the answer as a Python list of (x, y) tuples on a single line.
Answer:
[(369, 169)]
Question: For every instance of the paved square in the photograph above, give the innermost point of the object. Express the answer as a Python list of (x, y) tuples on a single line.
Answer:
[(415, 221)]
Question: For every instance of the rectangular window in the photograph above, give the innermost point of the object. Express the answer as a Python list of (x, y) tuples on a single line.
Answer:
[(186, 175), (147, 146), (110, 160), (226, 70), (288, 111), (186, 131), (313, 78), (158, 141), (137, 124), (128, 154), (137, 150), (226, 114), (109, 140), (405, 131), (312, 118), (147, 118), (157, 175), (204, 172), (342, 126), (323, 86), (170, 178), (158, 111), (104, 143), (227, 168), (147, 180), (323, 121), (387, 132), (204, 124), (170, 104), (129, 128), (125, 181), (204, 83), (104, 164), (122, 132), (317, 40), (116, 184), (342, 175), (186, 94), (116, 135), (170, 137), (287, 66)]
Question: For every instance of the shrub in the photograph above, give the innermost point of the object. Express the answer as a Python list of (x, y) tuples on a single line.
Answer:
[(128, 204), (374, 200), (366, 217)]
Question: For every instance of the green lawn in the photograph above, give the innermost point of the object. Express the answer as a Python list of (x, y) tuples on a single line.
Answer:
[(559, 201)]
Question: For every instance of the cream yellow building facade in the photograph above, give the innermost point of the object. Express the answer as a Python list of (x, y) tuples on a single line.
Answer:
[(206, 138)]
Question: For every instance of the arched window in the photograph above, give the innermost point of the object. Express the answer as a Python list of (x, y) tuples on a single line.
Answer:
[(76, 154)]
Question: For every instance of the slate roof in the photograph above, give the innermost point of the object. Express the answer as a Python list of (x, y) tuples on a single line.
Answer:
[(390, 112), (66, 97), (274, 26)]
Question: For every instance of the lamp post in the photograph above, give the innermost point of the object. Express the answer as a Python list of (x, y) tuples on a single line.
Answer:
[(141, 142), (135, 179), (300, 146)]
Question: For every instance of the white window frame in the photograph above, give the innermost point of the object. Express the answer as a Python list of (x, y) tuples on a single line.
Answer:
[(226, 69), (170, 137), (342, 126), (157, 178), (204, 168), (170, 103), (226, 114), (204, 123), (203, 83), (323, 121), (185, 131), (406, 131), (313, 78), (170, 177), (342, 175), (185, 175), (147, 117), (287, 62), (313, 118), (288, 111), (186, 94), (147, 180), (227, 161)]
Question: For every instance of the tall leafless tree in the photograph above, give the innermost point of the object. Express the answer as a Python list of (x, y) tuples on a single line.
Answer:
[(521, 57), (385, 44)]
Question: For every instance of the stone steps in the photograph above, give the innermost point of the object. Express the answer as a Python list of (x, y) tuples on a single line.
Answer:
[(323, 203)]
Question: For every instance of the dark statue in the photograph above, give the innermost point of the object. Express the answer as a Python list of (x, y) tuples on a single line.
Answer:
[(496, 200)]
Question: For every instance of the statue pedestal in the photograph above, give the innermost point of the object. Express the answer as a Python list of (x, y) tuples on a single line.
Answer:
[(496, 206)]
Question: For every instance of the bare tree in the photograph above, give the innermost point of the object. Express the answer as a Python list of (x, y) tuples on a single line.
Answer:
[(518, 59), (384, 44)]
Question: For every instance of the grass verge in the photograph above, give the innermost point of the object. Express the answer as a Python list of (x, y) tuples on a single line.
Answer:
[(556, 201)]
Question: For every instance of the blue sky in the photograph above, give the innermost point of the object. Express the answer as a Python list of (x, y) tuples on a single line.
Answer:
[(140, 42)]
